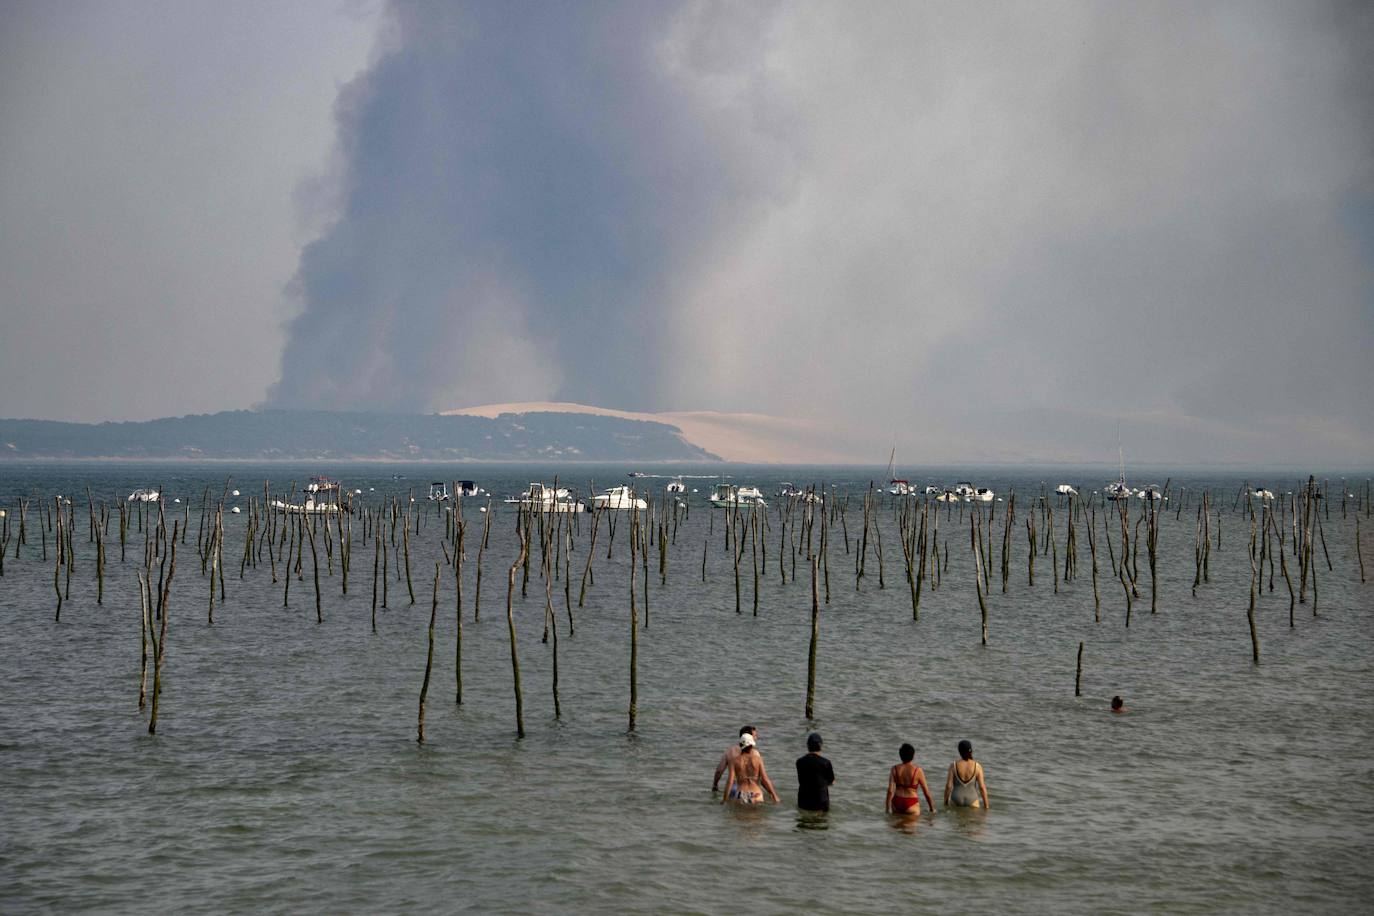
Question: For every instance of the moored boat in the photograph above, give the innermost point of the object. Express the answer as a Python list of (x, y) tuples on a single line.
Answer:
[(545, 498), (727, 495), (618, 499)]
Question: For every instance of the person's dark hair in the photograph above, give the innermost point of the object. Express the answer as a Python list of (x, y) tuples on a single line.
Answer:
[(747, 728), (813, 741), (1117, 703), (906, 752), (966, 749)]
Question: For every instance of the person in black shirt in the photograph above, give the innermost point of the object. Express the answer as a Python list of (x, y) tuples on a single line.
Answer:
[(814, 777)]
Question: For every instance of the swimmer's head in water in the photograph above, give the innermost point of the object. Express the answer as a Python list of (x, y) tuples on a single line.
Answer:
[(966, 749), (907, 753), (746, 741), (1117, 703), (748, 730), (813, 741)]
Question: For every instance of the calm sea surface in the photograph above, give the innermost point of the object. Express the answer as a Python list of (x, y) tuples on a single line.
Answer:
[(285, 774)]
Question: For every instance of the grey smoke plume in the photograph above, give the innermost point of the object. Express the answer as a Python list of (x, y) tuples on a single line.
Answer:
[(987, 230), (520, 182)]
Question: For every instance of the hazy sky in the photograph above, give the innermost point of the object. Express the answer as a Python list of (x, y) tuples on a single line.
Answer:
[(990, 231)]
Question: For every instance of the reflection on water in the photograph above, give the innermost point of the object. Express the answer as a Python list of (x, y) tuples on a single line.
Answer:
[(812, 820), (909, 824), (968, 822)]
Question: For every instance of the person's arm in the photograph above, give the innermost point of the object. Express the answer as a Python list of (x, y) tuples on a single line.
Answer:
[(891, 786), (982, 785), (921, 783), (720, 770), (949, 784), (766, 782), (729, 781)]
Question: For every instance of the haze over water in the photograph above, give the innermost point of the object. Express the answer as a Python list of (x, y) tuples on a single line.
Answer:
[(285, 773)]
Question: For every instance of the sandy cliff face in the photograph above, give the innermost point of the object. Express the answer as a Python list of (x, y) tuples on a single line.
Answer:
[(742, 437)]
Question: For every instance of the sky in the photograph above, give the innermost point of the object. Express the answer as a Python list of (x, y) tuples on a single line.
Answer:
[(1000, 231)]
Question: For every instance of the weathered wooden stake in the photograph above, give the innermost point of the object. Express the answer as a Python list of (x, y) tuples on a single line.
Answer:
[(815, 638), (429, 657), (510, 624)]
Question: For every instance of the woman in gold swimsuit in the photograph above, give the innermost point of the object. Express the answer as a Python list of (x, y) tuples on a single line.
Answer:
[(747, 779)]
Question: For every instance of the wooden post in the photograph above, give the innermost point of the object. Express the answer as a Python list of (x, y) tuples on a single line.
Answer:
[(405, 541), (144, 626), (160, 652), (1250, 614), (429, 657), (754, 554), (1092, 549), (1078, 675), (460, 529), (978, 580), (315, 561), (591, 552), (1358, 554), (634, 629), (482, 546), (510, 623), (815, 638)]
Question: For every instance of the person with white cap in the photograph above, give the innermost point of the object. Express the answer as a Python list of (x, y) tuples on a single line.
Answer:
[(731, 753), (747, 779)]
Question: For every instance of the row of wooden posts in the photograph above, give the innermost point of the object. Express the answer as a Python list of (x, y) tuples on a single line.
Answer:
[(1292, 524)]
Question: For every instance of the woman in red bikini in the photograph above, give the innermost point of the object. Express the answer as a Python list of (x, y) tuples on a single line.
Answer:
[(902, 784)]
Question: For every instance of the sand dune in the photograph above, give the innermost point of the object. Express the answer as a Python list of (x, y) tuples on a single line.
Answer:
[(741, 437)]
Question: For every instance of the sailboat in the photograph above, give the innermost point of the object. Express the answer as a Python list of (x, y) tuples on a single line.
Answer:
[(1118, 490), (896, 486)]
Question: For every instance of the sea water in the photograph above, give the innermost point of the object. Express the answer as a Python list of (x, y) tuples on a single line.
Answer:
[(285, 774)]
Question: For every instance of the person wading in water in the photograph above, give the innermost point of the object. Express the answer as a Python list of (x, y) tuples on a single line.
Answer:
[(903, 781), (730, 754), (747, 778), (814, 777), (964, 786)]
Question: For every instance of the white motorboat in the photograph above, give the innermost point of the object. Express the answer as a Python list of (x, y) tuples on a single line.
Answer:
[(1262, 494), (727, 495), (618, 499), (676, 486), (964, 489), (544, 498), (898, 487), (438, 492), (947, 496), (983, 494), (1065, 489), (311, 506), (1150, 492), (322, 498), (932, 490), (143, 496)]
